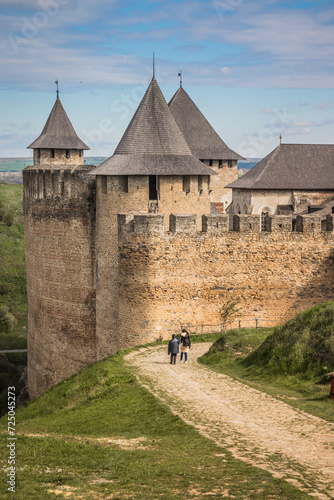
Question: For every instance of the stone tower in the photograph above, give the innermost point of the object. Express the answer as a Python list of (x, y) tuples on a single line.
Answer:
[(151, 172), (206, 145), (59, 200)]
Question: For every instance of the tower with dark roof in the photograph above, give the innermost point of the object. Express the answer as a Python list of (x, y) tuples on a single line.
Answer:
[(152, 171), (206, 145), (58, 144), (59, 226)]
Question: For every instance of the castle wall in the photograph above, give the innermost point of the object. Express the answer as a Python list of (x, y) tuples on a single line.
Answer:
[(114, 195), (175, 278), (184, 196), (226, 175), (60, 261)]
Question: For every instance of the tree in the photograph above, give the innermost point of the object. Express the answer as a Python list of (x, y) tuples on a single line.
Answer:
[(229, 310)]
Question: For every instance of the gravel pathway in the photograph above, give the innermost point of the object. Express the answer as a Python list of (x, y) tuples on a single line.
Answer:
[(253, 426)]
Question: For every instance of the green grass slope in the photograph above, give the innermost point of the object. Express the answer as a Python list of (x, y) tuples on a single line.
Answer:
[(303, 346), (292, 361), (13, 292), (100, 435)]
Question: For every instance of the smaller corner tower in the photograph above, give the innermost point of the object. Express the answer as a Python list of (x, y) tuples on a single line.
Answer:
[(59, 227), (58, 143)]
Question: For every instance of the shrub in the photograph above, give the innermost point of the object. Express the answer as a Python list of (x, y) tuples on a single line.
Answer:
[(7, 320), (8, 218)]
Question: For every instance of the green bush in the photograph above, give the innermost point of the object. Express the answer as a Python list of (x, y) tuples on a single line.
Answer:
[(7, 320), (3, 211), (8, 218)]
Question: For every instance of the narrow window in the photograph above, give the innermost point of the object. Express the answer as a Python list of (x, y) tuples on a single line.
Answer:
[(67, 153), (220, 164), (80, 153), (186, 183), (38, 153), (152, 183), (52, 153), (210, 163), (230, 163), (125, 184), (200, 184), (104, 185)]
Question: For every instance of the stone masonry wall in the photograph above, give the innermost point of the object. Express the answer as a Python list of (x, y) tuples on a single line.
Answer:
[(43, 157), (173, 278), (226, 175), (60, 261), (114, 195)]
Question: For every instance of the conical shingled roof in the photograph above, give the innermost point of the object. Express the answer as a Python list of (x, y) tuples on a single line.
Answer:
[(152, 143), (202, 139), (58, 132), (292, 166)]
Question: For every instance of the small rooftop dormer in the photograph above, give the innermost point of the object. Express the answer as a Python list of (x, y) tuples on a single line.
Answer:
[(58, 143)]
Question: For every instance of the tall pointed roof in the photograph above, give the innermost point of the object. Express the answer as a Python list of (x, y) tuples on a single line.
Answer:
[(202, 139), (152, 143), (292, 166), (58, 132)]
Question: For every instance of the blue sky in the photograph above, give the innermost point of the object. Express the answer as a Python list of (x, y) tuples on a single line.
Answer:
[(255, 69)]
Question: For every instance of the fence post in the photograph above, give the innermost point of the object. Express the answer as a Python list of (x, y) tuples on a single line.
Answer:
[(256, 323), (239, 323)]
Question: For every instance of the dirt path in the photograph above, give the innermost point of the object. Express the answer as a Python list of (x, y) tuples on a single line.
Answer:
[(253, 426)]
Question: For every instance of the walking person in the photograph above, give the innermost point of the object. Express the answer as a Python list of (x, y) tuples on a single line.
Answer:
[(185, 344), (173, 349)]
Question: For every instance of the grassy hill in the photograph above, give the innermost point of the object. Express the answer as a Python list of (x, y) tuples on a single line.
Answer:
[(100, 435), (292, 361), (13, 293)]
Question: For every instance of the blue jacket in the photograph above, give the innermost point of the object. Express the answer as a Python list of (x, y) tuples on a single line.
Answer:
[(173, 346)]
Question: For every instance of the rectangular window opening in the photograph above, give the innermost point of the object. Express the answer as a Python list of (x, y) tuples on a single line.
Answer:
[(153, 190), (186, 183), (220, 164), (52, 153), (125, 184), (67, 153)]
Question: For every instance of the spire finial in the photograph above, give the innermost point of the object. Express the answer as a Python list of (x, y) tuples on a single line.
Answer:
[(180, 75), (56, 82), (153, 66), (280, 138)]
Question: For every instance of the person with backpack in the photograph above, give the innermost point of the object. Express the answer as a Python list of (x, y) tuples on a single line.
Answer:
[(185, 344), (173, 349)]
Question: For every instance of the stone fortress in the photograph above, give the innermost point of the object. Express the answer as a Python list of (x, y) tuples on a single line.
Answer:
[(124, 253)]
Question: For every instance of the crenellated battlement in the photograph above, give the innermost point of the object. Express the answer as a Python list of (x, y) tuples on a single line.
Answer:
[(50, 183), (215, 225)]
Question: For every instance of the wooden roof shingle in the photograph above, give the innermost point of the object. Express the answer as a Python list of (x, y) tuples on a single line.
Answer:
[(292, 166), (152, 143), (202, 139), (58, 132)]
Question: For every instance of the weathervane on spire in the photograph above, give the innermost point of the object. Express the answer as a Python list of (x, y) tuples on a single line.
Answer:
[(280, 138), (180, 75), (153, 66), (56, 82)]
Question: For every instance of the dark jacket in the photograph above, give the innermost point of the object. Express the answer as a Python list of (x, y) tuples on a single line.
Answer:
[(173, 346)]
